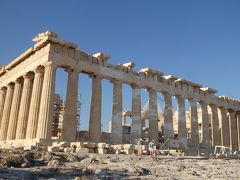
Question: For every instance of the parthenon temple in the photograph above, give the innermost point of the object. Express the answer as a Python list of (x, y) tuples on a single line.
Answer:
[(27, 92)]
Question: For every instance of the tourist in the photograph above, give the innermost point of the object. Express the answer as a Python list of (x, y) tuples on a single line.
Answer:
[(140, 148), (151, 148)]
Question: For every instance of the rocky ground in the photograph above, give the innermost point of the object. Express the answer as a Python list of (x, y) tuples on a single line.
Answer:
[(44, 165)]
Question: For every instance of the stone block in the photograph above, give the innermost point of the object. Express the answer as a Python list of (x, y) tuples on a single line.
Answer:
[(29, 147), (118, 146), (108, 146), (102, 151), (68, 149), (82, 150), (53, 149), (77, 144), (64, 144), (128, 151), (101, 145), (128, 146)]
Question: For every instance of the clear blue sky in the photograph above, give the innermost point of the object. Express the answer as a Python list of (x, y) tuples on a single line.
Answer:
[(195, 40)]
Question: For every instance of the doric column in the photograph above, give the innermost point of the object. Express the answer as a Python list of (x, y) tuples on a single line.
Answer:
[(95, 111), (153, 115), (238, 125), (35, 104), (44, 128), (70, 116), (116, 131), (233, 130), (168, 116), (2, 100), (225, 134), (216, 136), (136, 114), (6, 112), (194, 124), (14, 110), (182, 128), (24, 107), (205, 126)]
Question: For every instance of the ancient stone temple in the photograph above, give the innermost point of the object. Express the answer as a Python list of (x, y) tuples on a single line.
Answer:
[(27, 90)]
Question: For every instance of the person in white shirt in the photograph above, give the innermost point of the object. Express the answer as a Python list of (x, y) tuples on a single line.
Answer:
[(151, 148)]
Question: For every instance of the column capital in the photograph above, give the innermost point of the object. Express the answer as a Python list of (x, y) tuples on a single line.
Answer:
[(179, 97), (165, 93), (135, 86), (28, 76), (4, 88), (71, 70), (213, 105), (49, 64), (18, 81), (192, 102), (96, 76), (151, 90), (116, 81), (10, 85), (231, 111), (238, 113), (39, 69)]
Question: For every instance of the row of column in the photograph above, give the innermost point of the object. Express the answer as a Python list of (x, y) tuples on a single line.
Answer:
[(226, 135), (26, 105)]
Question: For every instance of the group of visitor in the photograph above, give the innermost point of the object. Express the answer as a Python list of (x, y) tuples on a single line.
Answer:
[(152, 147)]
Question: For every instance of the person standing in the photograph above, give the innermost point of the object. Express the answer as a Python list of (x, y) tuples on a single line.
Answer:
[(151, 148), (140, 148)]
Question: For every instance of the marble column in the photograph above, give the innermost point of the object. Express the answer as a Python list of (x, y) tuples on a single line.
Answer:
[(136, 114), (194, 124), (3, 91), (168, 116), (45, 118), (95, 111), (233, 130), (153, 115), (24, 107), (116, 128), (70, 116), (14, 110), (205, 126), (35, 104), (225, 134), (182, 127), (216, 136), (6, 112), (238, 125)]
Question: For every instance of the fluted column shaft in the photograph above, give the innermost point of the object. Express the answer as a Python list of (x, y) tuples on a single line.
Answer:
[(70, 116), (14, 110), (24, 107), (35, 105), (116, 129), (216, 136), (153, 116), (95, 111), (182, 128), (47, 101), (238, 125), (194, 124), (136, 114), (2, 100), (225, 134), (205, 126), (233, 130), (6, 112), (168, 116)]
